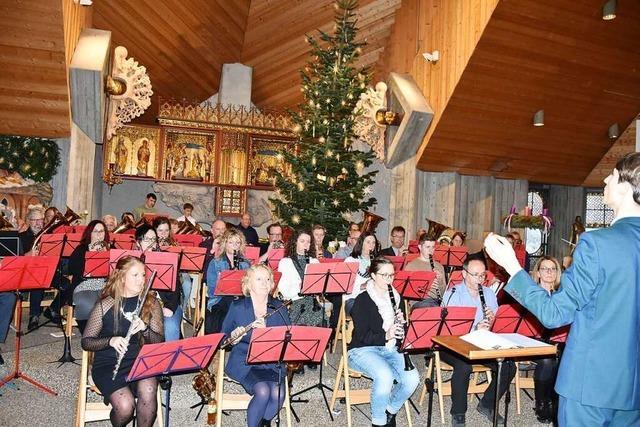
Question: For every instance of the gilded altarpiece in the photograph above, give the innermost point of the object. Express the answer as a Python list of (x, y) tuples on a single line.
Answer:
[(134, 151)]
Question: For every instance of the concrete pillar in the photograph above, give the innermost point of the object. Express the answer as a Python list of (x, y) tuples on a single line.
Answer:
[(235, 85)]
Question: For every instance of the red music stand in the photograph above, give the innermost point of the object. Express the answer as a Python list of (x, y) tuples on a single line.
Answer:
[(450, 256), (252, 253), (78, 229), (427, 322), (229, 283), (413, 247), (23, 273), (174, 357), (511, 318), (192, 257), (52, 244), (188, 239), (122, 241), (71, 243), (281, 344), (414, 285), (330, 260), (164, 263), (408, 258), (329, 278), (62, 229), (398, 261), (96, 264), (273, 257), (150, 217), (560, 335)]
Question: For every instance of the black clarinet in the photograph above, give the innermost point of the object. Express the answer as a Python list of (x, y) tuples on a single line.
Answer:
[(306, 256), (408, 365), (482, 301), (438, 296), (236, 260)]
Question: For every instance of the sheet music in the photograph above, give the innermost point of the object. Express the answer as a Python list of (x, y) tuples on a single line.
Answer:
[(488, 340)]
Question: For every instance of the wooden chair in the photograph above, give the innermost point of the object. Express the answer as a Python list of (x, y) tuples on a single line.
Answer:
[(444, 388), (87, 412), (522, 383), (239, 401), (337, 335), (352, 396)]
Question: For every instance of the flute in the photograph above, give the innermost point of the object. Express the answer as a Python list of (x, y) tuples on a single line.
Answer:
[(247, 328), (408, 365), (136, 315)]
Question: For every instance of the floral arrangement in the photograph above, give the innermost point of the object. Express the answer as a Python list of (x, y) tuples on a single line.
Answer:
[(540, 222)]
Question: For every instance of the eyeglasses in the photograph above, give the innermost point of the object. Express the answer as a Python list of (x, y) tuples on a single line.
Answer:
[(549, 269), (149, 239), (476, 275), (36, 220), (386, 276)]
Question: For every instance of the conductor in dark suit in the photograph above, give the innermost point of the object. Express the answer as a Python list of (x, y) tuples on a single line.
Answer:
[(397, 242), (599, 376)]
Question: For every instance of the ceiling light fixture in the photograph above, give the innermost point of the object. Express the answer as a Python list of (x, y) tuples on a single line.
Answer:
[(614, 131), (609, 10), (538, 118)]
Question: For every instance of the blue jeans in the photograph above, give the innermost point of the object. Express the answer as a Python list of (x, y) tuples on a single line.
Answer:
[(186, 289), (172, 325), (7, 304), (384, 365)]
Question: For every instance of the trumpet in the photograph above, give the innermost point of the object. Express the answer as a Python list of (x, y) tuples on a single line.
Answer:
[(99, 246), (244, 330)]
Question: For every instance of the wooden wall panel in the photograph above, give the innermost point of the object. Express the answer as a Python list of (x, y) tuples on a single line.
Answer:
[(34, 98), (76, 18), (436, 197), (564, 204)]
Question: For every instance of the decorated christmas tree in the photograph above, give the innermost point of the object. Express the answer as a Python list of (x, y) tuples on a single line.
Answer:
[(327, 180)]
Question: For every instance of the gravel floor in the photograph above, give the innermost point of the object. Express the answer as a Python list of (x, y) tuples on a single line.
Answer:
[(21, 404)]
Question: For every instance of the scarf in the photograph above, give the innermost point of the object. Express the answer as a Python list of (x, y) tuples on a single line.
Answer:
[(387, 312)]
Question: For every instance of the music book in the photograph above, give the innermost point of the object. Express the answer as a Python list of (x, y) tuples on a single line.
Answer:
[(488, 340)]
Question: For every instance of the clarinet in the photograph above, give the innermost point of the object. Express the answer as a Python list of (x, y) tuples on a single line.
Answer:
[(306, 256), (438, 296), (136, 314), (236, 260), (408, 366), (482, 301)]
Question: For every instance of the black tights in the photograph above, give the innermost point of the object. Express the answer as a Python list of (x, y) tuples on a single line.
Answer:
[(264, 404), (123, 404)]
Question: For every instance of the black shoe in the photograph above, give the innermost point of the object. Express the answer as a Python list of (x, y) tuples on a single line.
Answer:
[(265, 423), (391, 419), (54, 316), (313, 366), (1, 360), (488, 413), (543, 411), (458, 420), (33, 323)]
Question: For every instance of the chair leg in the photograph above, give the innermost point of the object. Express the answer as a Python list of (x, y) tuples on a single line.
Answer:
[(287, 401), (82, 391), (439, 384), (160, 416), (347, 392), (407, 408), (338, 331), (424, 391), (518, 389), (336, 386), (219, 387)]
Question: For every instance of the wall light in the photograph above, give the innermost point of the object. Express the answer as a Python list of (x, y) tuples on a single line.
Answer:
[(614, 131), (538, 118), (609, 10)]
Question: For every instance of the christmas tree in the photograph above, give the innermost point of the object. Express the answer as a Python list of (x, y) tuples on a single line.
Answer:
[(328, 182)]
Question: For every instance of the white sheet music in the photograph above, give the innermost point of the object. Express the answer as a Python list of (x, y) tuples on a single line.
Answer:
[(488, 340)]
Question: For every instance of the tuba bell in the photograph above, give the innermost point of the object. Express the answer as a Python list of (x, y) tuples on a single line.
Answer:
[(57, 221), (5, 224), (369, 222), (435, 229), (125, 225), (70, 216)]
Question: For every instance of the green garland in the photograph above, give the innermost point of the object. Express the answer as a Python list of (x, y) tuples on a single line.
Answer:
[(522, 221), (33, 158)]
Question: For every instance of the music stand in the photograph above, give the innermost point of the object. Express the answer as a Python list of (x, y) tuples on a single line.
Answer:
[(71, 242), (188, 239), (451, 257), (252, 253), (322, 279), (415, 285), (122, 241), (273, 257), (330, 260), (96, 264), (174, 358), (413, 247), (280, 344), (192, 257), (515, 319), (229, 283), (10, 244), (398, 261), (164, 263), (52, 244), (24, 273), (427, 322)]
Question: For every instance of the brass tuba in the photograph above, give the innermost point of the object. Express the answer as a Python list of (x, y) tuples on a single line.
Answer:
[(125, 225), (369, 222), (435, 229), (70, 216), (187, 227), (57, 221)]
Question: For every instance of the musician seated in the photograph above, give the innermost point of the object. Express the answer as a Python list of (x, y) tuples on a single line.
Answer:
[(352, 238), (212, 243), (274, 232), (187, 210), (425, 262), (397, 242), (466, 294), (458, 239), (233, 245), (319, 233), (250, 233), (259, 380), (546, 272), (87, 290), (129, 215), (363, 251), (50, 213), (110, 222), (149, 206), (304, 309), (147, 241), (110, 320), (174, 225), (377, 329)]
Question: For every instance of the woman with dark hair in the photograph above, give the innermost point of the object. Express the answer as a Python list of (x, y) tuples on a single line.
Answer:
[(304, 310), (458, 239), (377, 325), (365, 249), (86, 290), (105, 333), (147, 241)]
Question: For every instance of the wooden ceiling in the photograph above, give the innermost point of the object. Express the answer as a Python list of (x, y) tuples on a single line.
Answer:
[(625, 144), (557, 56), (34, 98), (183, 44)]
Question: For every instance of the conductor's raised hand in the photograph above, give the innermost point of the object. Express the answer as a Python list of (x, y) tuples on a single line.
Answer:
[(500, 250)]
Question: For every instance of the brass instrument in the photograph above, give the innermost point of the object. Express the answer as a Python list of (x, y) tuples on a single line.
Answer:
[(70, 216), (370, 221), (125, 225), (5, 224), (228, 342), (58, 220), (100, 246), (436, 229)]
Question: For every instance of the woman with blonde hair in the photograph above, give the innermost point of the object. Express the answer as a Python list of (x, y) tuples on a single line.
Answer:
[(105, 332), (259, 380), (546, 273), (233, 244)]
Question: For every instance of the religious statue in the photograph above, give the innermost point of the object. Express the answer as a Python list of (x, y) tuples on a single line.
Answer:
[(208, 161), (181, 159), (144, 154), (576, 230), (170, 158), (196, 164), (122, 155)]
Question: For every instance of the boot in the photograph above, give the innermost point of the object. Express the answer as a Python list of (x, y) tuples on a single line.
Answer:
[(265, 423), (543, 402), (391, 419)]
